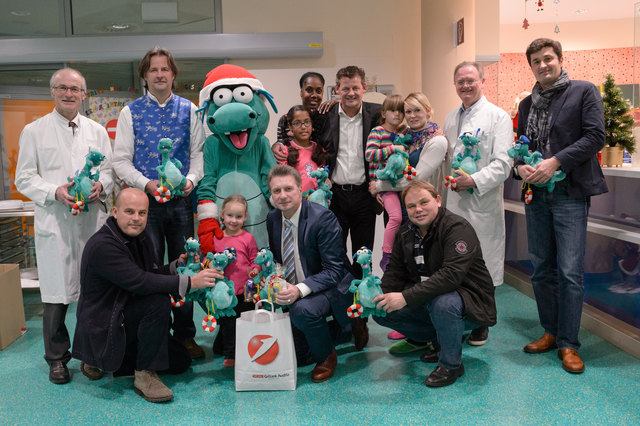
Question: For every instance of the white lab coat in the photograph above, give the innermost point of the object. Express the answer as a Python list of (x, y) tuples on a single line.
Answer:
[(49, 153), (484, 209)]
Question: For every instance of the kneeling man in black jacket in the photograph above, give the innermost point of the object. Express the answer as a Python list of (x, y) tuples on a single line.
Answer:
[(436, 281), (124, 307)]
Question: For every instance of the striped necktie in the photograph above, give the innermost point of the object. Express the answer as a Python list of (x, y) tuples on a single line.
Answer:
[(288, 252), (73, 126)]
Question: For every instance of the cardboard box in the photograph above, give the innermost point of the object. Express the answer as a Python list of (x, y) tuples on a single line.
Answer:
[(12, 313)]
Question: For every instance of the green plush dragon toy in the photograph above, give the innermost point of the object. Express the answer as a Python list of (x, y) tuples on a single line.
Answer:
[(169, 175), (366, 289), (83, 182), (237, 155)]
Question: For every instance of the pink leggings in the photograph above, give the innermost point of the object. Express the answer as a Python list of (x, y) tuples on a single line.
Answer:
[(391, 201)]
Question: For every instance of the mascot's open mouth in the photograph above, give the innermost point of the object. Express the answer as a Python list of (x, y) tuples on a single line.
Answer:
[(239, 138)]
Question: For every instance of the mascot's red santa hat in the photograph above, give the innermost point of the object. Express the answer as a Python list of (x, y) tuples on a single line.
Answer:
[(228, 75)]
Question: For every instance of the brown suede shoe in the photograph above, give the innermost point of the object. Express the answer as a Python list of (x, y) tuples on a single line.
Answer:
[(571, 361), (93, 373), (544, 344), (323, 371), (147, 384), (360, 333), (194, 349)]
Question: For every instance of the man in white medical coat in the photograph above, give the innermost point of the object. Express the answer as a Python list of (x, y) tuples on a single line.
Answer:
[(51, 149), (484, 208)]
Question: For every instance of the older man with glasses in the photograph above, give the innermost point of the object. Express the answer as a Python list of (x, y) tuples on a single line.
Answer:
[(51, 149), (478, 196)]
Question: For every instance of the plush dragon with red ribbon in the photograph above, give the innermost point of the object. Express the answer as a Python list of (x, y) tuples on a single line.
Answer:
[(366, 289), (521, 149)]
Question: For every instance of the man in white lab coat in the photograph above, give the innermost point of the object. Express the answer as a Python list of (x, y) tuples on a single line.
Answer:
[(484, 208), (51, 149)]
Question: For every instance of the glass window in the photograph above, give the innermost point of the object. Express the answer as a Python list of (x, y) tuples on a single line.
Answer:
[(39, 18)]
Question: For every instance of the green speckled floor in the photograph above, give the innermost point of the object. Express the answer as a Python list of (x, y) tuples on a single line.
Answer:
[(502, 385)]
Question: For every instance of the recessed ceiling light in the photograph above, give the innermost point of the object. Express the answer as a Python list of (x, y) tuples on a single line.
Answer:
[(20, 13), (580, 11), (120, 27)]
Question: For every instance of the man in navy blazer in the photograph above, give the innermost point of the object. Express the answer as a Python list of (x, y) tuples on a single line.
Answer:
[(322, 279), (564, 120)]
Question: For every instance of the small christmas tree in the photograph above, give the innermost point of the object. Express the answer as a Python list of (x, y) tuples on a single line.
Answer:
[(618, 121)]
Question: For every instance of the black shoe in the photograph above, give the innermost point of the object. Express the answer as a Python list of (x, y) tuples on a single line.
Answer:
[(430, 356), (59, 373), (304, 360), (478, 336), (443, 377)]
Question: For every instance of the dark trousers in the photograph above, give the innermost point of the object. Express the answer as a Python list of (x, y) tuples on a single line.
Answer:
[(355, 211), (311, 332), (55, 333), (149, 345), (173, 222), (226, 339)]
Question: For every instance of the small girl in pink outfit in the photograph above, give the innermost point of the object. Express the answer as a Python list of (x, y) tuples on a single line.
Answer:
[(380, 146), (302, 153), (233, 216)]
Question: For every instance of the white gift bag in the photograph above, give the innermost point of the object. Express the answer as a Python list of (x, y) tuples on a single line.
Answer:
[(265, 355)]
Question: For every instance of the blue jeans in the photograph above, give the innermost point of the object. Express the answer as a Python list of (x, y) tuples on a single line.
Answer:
[(173, 222), (440, 319), (557, 232)]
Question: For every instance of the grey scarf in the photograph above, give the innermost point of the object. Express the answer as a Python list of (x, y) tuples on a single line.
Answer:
[(538, 123)]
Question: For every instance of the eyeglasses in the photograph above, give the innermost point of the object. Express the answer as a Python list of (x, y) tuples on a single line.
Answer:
[(63, 89), (297, 124), (461, 83)]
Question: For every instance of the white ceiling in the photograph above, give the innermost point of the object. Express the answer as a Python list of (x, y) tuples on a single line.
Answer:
[(513, 11)]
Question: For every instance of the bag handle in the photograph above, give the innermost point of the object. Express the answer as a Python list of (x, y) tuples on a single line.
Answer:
[(259, 303), (270, 312)]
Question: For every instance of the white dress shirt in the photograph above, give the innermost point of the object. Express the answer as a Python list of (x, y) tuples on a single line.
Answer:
[(123, 148), (295, 219), (350, 160)]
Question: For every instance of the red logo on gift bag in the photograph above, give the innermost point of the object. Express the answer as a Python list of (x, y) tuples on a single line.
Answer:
[(263, 349)]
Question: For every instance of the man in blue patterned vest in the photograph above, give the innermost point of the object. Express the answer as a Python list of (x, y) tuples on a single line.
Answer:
[(142, 123)]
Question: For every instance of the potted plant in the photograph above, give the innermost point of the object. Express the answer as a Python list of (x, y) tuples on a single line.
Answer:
[(618, 124)]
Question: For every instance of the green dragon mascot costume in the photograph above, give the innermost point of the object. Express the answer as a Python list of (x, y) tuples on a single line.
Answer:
[(237, 155)]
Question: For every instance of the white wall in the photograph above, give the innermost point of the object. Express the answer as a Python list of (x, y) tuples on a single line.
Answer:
[(382, 36), (439, 56)]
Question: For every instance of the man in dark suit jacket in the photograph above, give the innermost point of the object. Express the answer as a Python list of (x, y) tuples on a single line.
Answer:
[(316, 269), (344, 134), (124, 307), (564, 119)]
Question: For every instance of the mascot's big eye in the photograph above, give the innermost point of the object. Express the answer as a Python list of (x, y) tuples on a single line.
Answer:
[(243, 94), (222, 96)]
